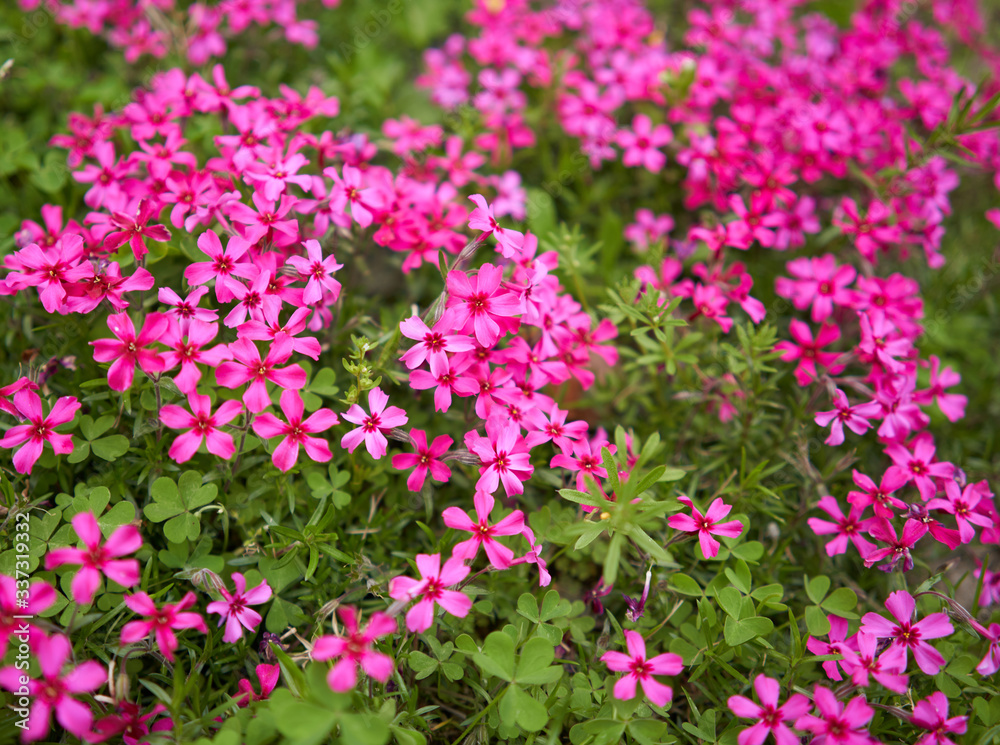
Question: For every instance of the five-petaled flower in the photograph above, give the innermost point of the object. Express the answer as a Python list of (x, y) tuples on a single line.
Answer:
[(641, 670), (371, 426), (296, 431), (706, 525), (162, 621), (39, 429), (203, 426), (769, 715), (233, 607), (425, 460), (431, 589), (482, 532), (932, 714), (129, 349), (98, 557), (906, 634), (835, 723), (355, 650)]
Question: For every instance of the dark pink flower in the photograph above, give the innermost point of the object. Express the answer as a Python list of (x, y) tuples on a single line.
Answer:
[(233, 607), (40, 428), (481, 218), (482, 532), (770, 716), (371, 426), (706, 525), (318, 273), (203, 425), (837, 724), (129, 349), (483, 307), (54, 692), (224, 266), (433, 343), (97, 557), (425, 460), (866, 662), (355, 649), (899, 547), (504, 455), (641, 670), (932, 714), (27, 601), (268, 675), (431, 589), (133, 229), (855, 418), (809, 352), (296, 431), (847, 528), (247, 368), (162, 622), (907, 635)]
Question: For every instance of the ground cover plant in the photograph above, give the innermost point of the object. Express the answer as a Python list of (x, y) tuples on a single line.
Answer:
[(592, 372)]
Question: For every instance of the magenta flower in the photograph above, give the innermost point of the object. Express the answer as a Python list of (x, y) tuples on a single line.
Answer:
[(431, 589), (39, 429), (133, 229), (317, 271), (482, 218), (932, 714), (268, 675), (808, 351), (866, 662), (880, 497), (131, 723), (128, 349), (641, 144), (224, 266), (771, 717), (855, 418), (98, 558), (161, 621), (586, 460), (425, 460), (706, 525), (14, 602), (952, 405), (962, 504), (433, 343), (847, 528), (641, 671), (189, 352), (919, 465), (907, 635), (837, 724), (482, 307), (991, 660), (504, 454), (203, 426), (355, 650), (248, 368), (50, 270), (899, 546), (55, 690), (483, 533), (296, 431), (371, 426), (233, 608)]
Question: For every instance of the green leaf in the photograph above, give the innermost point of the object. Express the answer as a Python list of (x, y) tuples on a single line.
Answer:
[(647, 544), (842, 602), (527, 606), (363, 729), (816, 621), (685, 585), (740, 576), (554, 606), (533, 663), (497, 657), (612, 559), (731, 601), (110, 448), (740, 632), (530, 713), (817, 587)]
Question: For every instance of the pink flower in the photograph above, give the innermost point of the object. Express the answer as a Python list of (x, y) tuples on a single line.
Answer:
[(866, 661), (128, 349), (132, 230), (224, 266), (586, 460), (130, 723), (372, 426), (40, 428), (355, 649), (819, 283), (50, 270), (317, 271), (203, 425), (962, 504), (483, 307), (952, 405), (55, 690), (899, 547), (161, 621), (249, 368), (707, 525), (268, 675), (991, 660), (434, 343), (234, 611), (880, 497), (482, 532), (641, 671), (188, 352), (837, 724), (296, 431), (425, 460), (504, 454), (430, 588), (847, 528), (907, 635), (808, 351), (642, 143), (14, 602), (481, 218), (98, 558), (855, 418), (932, 714), (919, 465), (771, 717)]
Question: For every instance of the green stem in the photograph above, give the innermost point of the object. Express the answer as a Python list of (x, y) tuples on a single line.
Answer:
[(479, 716)]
